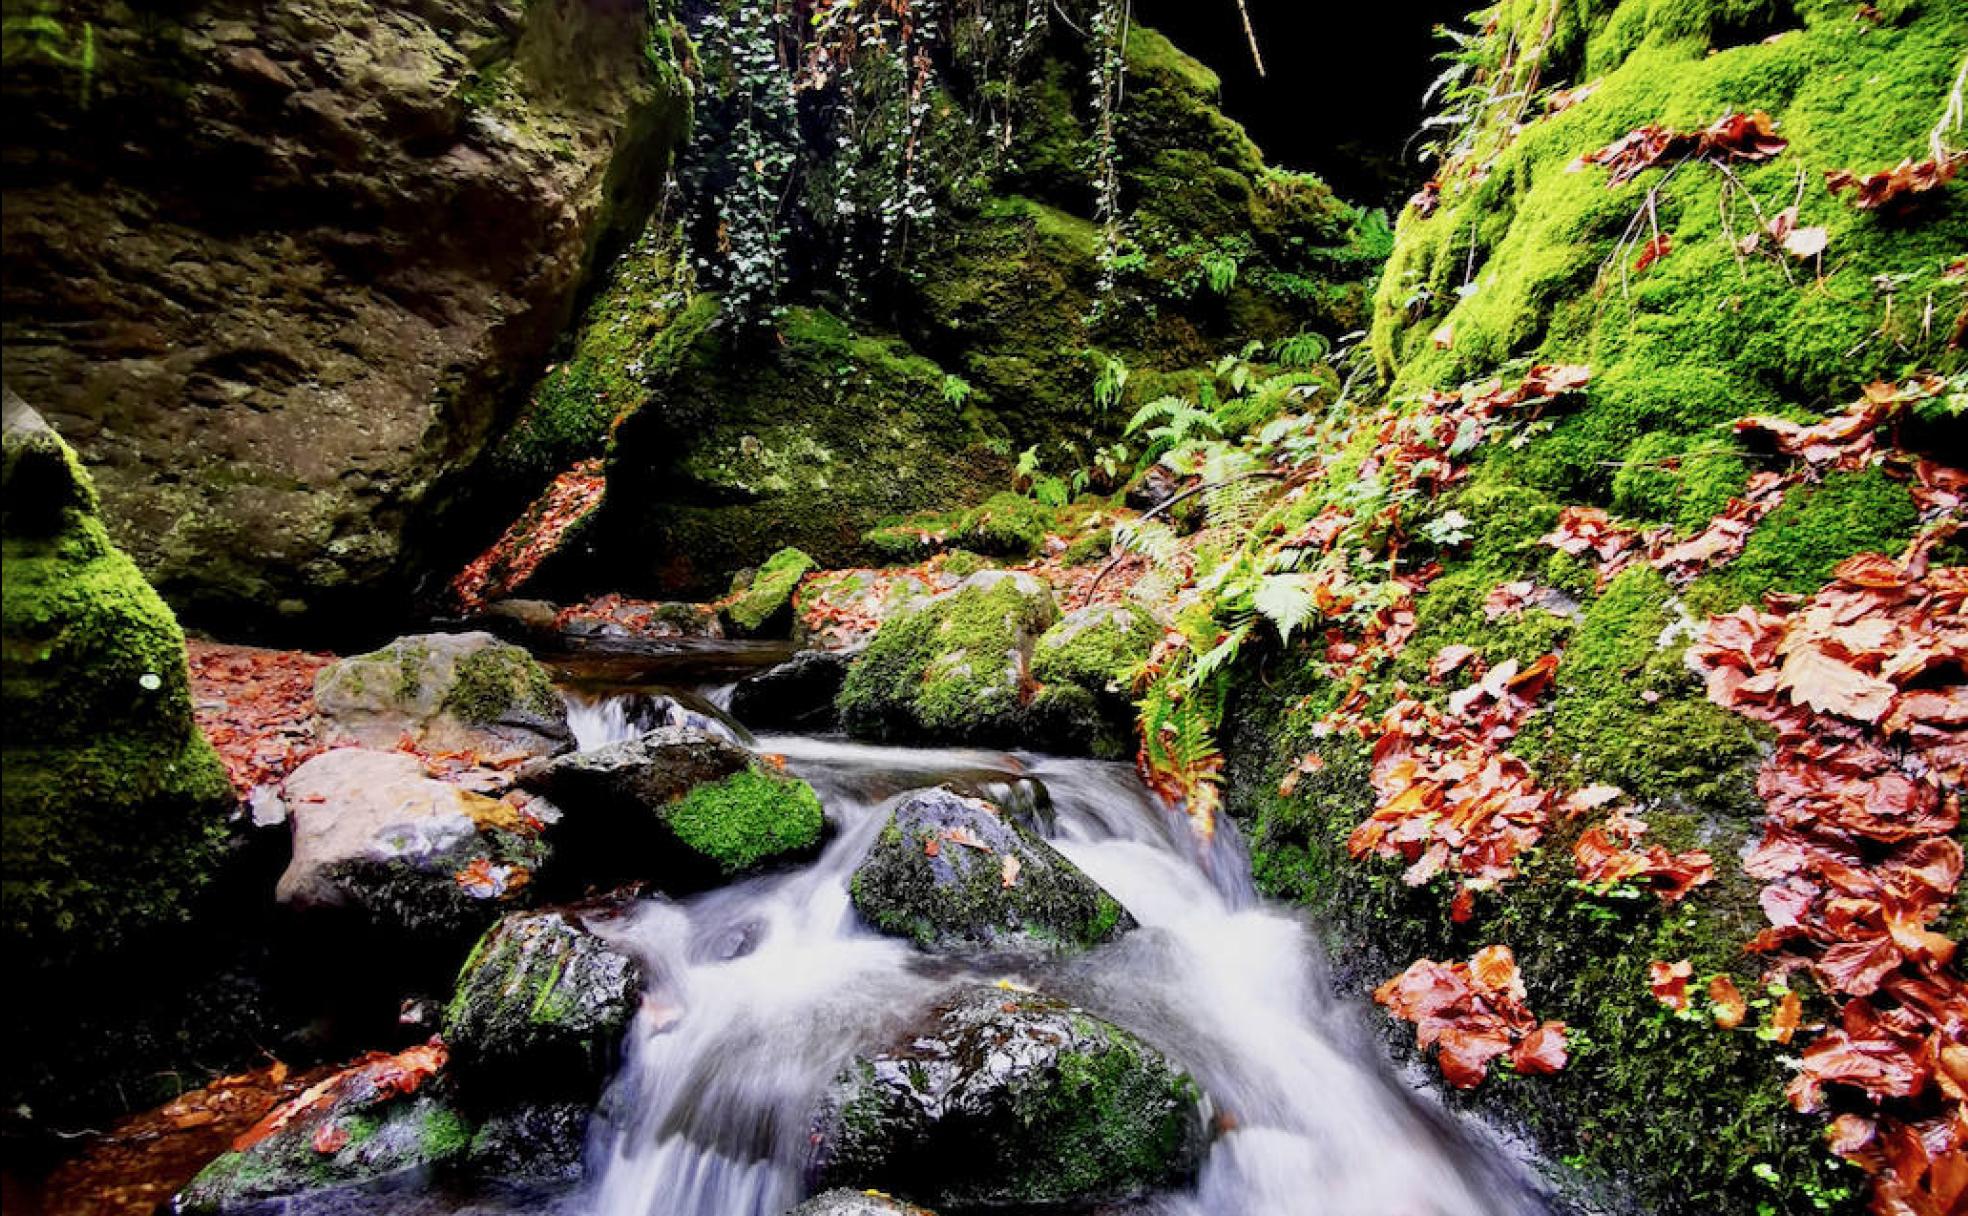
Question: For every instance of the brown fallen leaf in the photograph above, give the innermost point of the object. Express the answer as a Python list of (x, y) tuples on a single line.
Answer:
[(1008, 872)]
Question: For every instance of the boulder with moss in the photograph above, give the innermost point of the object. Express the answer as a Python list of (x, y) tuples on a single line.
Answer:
[(1011, 1099), (844, 1202), (764, 605), (954, 668), (954, 873), (540, 1009), (115, 805), (444, 692), (676, 806)]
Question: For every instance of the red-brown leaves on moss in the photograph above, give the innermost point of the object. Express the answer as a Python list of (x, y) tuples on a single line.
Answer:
[(535, 536), (1866, 686), (1669, 982), (1899, 188), (1732, 137), (1448, 798), (1472, 1013), (257, 708), (1611, 854)]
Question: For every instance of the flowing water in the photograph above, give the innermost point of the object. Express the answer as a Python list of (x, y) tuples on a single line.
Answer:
[(759, 992)]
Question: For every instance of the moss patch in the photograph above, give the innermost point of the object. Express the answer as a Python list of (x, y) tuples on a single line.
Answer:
[(747, 819)]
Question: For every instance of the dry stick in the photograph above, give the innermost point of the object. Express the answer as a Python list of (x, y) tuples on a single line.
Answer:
[(1158, 508), (1256, 56)]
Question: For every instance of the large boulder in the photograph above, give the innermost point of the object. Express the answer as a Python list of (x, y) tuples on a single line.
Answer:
[(1010, 1099), (375, 836), (445, 692), (114, 803), (676, 806), (955, 873), (378, 1121), (795, 695), (280, 267), (955, 668), (541, 1007)]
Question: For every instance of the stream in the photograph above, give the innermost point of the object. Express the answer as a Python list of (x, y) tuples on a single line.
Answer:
[(759, 992)]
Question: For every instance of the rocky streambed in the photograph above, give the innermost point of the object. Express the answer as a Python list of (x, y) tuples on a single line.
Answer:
[(731, 973)]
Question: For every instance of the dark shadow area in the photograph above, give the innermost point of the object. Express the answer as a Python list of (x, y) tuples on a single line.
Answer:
[(1342, 88)]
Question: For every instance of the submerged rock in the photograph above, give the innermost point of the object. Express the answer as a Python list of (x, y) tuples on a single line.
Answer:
[(541, 1007), (796, 695), (1012, 1099), (375, 1123), (445, 692), (677, 807), (844, 1202), (955, 668), (955, 873), (374, 835)]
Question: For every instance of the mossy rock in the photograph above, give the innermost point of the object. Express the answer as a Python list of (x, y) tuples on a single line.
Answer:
[(1096, 648), (956, 874), (765, 604), (115, 805), (844, 1202), (954, 668), (447, 692), (675, 806), (382, 1140), (540, 1008), (1010, 1099)]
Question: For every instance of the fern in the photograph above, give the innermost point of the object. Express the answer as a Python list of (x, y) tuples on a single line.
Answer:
[(1304, 350), (1286, 601)]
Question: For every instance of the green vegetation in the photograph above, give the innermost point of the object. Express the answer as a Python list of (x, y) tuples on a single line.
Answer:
[(749, 818), (769, 595)]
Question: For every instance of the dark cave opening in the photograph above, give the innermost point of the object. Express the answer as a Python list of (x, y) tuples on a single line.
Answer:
[(1341, 94)]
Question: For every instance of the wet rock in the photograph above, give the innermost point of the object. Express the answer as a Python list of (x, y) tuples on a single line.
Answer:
[(446, 692), (273, 412), (844, 1202), (955, 873), (797, 695), (374, 835), (379, 1122), (541, 1007), (955, 668), (677, 807), (1011, 1099), (531, 1144), (524, 621)]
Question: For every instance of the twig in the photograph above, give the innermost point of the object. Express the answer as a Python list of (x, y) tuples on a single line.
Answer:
[(1257, 57)]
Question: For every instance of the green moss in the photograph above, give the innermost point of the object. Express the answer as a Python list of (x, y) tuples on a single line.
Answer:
[(748, 818), (1096, 649), (115, 804), (496, 681), (771, 591), (1795, 548)]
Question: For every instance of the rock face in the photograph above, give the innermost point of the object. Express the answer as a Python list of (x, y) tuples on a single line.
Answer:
[(1016, 1100), (446, 692), (275, 268), (376, 1121), (541, 1007), (953, 668), (374, 835), (955, 873), (676, 806), (796, 695), (115, 805)]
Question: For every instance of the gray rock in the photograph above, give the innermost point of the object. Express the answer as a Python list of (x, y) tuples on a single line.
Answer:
[(956, 874), (796, 695), (375, 835), (540, 1008), (635, 775), (1010, 1099), (446, 692), (532, 1144)]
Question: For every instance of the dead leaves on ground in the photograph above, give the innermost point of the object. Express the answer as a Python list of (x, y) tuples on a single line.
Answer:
[(1899, 188), (534, 537), (257, 708), (375, 1077), (1732, 137), (1471, 1014)]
